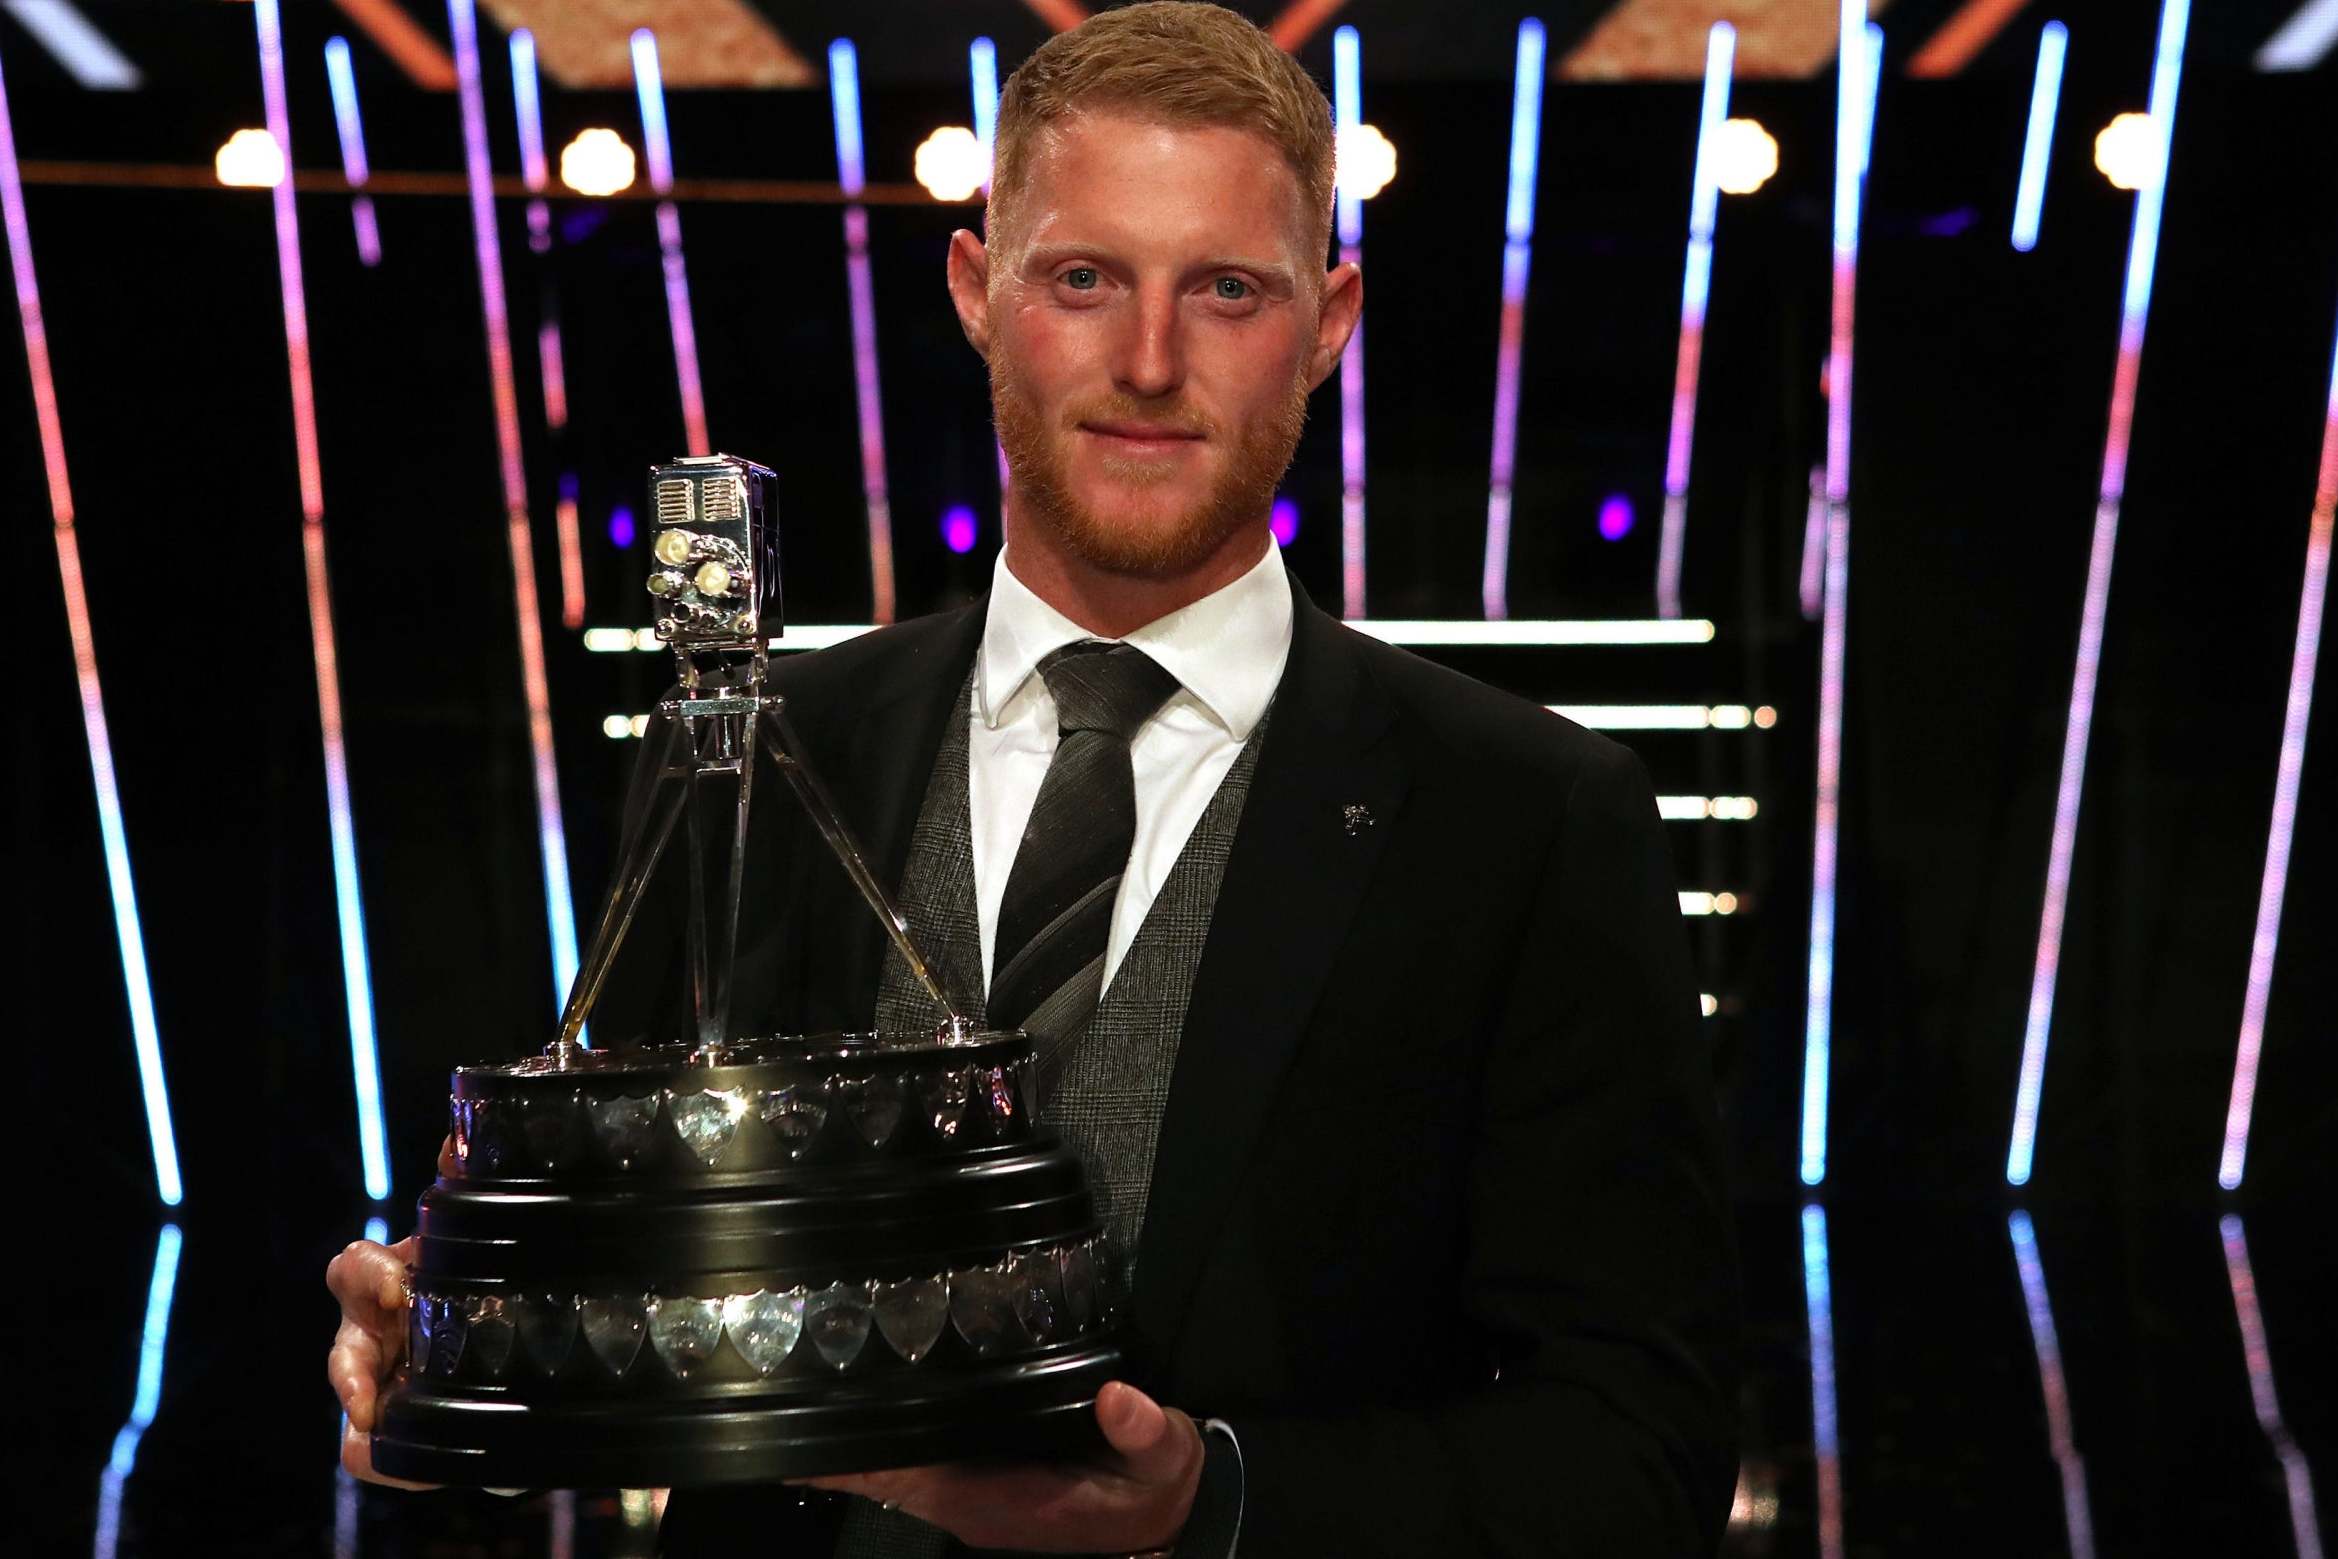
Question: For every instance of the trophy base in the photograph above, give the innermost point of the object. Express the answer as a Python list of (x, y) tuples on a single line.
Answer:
[(1040, 1406)]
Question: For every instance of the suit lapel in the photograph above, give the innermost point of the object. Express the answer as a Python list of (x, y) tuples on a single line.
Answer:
[(1291, 887)]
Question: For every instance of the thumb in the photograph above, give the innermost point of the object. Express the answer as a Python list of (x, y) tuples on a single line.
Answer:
[(1133, 1423)]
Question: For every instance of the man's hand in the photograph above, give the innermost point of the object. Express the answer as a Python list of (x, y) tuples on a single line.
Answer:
[(370, 1282), (1135, 1497)]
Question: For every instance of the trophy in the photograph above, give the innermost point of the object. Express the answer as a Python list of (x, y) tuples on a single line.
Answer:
[(743, 1257)]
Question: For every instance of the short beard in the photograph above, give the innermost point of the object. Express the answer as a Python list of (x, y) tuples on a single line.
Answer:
[(1042, 495)]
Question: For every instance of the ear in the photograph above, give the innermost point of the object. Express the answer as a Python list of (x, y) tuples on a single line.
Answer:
[(1343, 304), (969, 271)]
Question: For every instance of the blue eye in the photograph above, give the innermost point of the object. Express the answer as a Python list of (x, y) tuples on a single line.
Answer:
[(1081, 278), (1233, 288)]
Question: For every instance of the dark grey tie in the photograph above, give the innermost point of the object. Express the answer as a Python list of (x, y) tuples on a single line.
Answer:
[(1048, 955)]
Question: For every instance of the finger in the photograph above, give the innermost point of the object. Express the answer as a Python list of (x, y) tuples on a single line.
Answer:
[(353, 1367), (1133, 1423), (357, 1458)]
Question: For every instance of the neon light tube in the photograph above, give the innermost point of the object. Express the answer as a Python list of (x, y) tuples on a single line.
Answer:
[(74, 42), (551, 835), (153, 1343), (1818, 1297), (982, 63), (2078, 1520), (1517, 254), (551, 375), (2303, 41), (651, 92), (2296, 1476), (352, 133), (1858, 75), (356, 979), (2135, 309), (2287, 779), (528, 109), (2038, 145), (844, 94), (1347, 96), (145, 1037), (572, 580), (1695, 286)]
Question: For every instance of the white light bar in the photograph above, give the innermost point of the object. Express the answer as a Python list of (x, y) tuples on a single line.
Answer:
[(1407, 631), (1666, 717), (1708, 903), (1389, 630), (1719, 809)]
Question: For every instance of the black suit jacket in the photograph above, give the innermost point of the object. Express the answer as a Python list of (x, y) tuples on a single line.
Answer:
[(1436, 1221)]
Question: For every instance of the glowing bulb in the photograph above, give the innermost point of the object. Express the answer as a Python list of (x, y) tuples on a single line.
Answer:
[(250, 159), (616, 727), (1746, 155), (951, 163), (1366, 160), (597, 162), (713, 579), (672, 546), (2127, 151)]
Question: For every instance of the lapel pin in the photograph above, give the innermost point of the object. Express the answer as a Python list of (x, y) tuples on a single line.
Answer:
[(1357, 817)]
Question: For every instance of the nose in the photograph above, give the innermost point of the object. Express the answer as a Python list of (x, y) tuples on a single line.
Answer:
[(1149, 357)]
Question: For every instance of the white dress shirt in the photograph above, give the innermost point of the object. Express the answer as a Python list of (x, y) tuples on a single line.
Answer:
[(1226, 651)]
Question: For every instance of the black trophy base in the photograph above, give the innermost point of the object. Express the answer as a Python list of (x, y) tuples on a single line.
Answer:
[(1039, 1406)]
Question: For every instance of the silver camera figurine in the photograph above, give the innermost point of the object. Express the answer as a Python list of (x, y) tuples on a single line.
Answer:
[(716, 581)]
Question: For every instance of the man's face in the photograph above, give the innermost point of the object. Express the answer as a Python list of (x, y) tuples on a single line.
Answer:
[(1153, 323)]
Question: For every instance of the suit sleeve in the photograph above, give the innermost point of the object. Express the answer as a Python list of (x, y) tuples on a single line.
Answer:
[(1600, 1259)]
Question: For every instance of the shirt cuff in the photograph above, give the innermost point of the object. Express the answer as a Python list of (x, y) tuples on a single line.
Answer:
[(1214, 1525)]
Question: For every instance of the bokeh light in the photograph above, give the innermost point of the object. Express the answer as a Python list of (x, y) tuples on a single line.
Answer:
[(1615, 517), (2127, 152), (1284, 521), (621, 527), (1746, 154), (1367, 161), (250, 159), (597, 162), (951, 163), (958, 529)]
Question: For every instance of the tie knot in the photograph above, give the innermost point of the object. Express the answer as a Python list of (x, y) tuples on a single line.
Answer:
[(1105, 687)]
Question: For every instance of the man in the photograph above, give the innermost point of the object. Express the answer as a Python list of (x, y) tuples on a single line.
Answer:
[(1363, 985)]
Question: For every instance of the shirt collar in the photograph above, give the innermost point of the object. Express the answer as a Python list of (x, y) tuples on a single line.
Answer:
[(1227, 649)]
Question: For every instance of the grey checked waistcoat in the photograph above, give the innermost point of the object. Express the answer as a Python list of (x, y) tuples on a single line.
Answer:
[(1116, 1081)]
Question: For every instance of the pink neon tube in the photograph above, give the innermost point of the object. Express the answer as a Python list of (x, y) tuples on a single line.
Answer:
[(2135, 309), (2053, 1386), (2257, 1355), (1696, 286), (651, 90), (1859, 72), (2285, 790), (551, 836), (1351, 460), (356, 978), (144, 1033)]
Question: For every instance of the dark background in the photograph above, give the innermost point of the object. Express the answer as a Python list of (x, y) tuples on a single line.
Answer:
[(1983, 377)]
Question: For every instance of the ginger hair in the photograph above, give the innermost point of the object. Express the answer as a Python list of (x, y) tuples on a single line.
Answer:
[(1175, 62)]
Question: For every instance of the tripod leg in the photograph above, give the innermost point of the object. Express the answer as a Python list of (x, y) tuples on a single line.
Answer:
[(633, 874)]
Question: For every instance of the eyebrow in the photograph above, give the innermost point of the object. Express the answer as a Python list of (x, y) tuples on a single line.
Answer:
[(1048, 256)]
